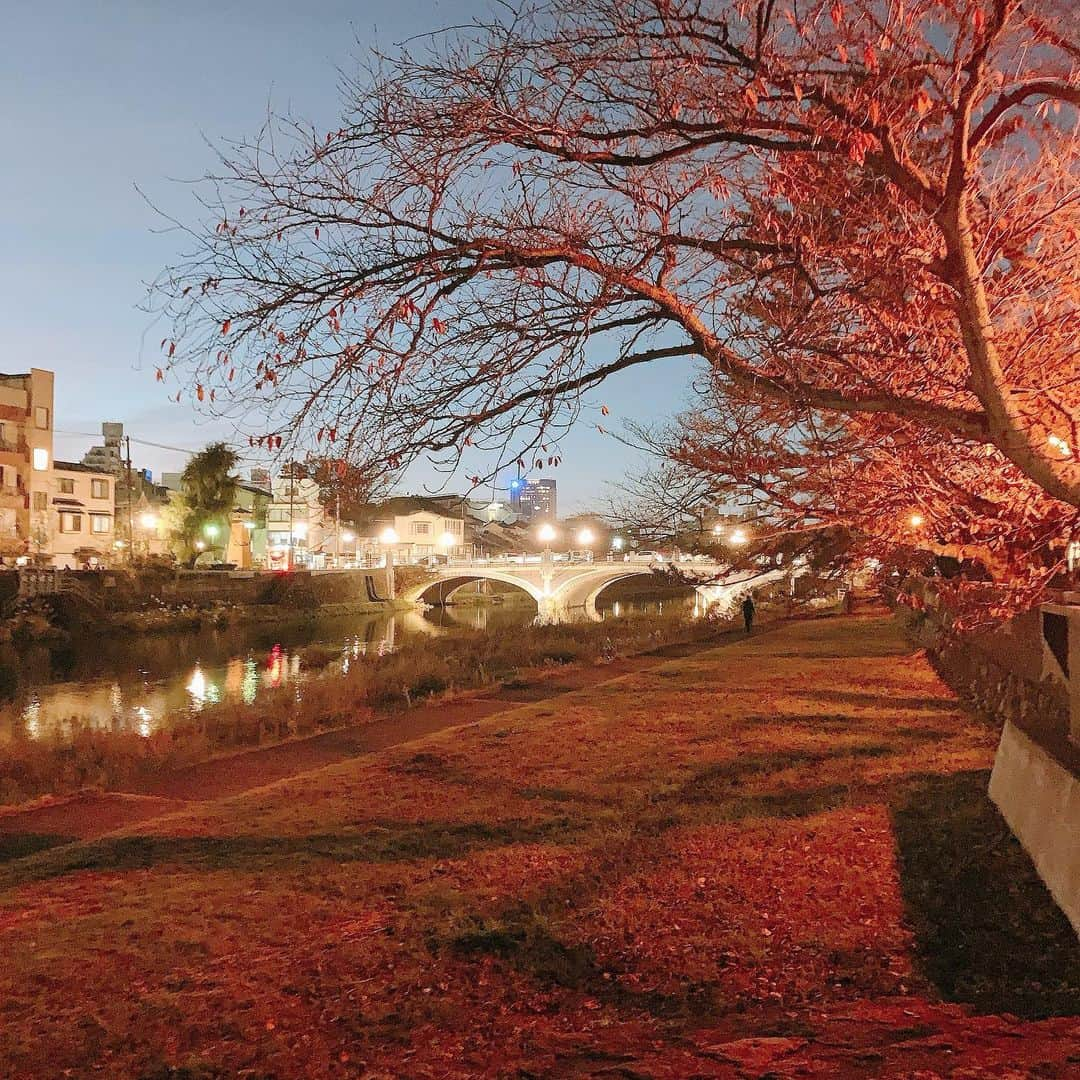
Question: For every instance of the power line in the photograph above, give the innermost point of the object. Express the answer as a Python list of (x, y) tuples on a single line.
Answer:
[(144, 442)]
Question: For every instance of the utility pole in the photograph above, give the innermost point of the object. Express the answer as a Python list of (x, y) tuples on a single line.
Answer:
[(130, 521), (337, 529), (292, 492)]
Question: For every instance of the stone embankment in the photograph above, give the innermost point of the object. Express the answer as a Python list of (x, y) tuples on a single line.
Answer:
[(144, 601)]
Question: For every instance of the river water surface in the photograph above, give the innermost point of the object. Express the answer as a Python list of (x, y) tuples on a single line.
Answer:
[(144, 683)]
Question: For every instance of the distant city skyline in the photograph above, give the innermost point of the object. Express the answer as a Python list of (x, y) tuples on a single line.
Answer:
[(104, 102)]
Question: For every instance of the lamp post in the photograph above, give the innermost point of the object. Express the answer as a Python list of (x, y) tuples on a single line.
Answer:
[(586, 538), (148, 523), (545, 534)]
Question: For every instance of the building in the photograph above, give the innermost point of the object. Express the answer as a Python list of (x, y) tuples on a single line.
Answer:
[(108, 457), (26, 449), (413, 529), (247, 526), (534, 499), (298, 531), (82, 525)]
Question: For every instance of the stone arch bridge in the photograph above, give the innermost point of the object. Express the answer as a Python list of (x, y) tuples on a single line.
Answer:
[(564, 586)]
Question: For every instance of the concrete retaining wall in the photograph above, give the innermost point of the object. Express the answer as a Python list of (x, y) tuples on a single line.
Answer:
[(1040, 800), (122, 590)]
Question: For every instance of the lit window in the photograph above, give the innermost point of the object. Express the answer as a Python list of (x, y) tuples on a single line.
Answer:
[(100, 523), (99, 489), (70, 523), (41, 459)]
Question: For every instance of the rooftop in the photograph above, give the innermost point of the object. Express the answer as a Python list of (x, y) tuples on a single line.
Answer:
[(77, 466)]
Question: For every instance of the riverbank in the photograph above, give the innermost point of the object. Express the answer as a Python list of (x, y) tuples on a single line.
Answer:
[(355, 690), (773, 857), (192, 617)]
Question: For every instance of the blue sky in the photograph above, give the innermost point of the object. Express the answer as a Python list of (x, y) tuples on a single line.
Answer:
[(102, 95)]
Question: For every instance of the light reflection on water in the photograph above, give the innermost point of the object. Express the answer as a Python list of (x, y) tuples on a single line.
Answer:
[(147, 683)]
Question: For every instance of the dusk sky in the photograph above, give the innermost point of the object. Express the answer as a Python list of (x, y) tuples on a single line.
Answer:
[(102, 96)]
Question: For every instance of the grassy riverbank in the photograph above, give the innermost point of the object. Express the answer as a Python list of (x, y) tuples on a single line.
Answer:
[(418, 671), (771, 858)]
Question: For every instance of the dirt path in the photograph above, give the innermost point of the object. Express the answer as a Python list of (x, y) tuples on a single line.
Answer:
[(771, 859)]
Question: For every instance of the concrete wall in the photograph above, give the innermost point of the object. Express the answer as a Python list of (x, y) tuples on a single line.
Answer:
[(1040, 800), (119, 590)]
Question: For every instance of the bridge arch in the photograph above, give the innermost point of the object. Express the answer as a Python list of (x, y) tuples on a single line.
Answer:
[(439, 589), (583, 590)]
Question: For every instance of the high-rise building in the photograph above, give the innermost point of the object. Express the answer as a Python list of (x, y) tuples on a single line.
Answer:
[(26, 448), (533, 499)]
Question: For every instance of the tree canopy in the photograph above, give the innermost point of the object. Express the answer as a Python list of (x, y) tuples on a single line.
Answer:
[(201, 514), (860, 216)]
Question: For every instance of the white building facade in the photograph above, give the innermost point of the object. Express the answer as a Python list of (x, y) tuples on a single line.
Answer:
[(82, 516)]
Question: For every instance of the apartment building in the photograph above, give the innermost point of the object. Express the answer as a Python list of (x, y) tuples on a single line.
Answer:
[(26, 450), (82, 516)]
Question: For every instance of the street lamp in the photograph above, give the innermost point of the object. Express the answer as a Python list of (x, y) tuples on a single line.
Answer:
[(348, 537), (211, 530), (738, 536), (617, 543), (916, 520), (199, 545), (447, 540), (388, 536), (585, 537), (148, 521)]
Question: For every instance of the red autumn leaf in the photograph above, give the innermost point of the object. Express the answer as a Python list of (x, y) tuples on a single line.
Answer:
[(226, 325)]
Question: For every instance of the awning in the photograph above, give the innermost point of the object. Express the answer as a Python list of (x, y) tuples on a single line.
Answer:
[(68, 502)]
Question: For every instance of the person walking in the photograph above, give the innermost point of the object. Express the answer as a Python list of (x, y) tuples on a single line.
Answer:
[(748, 610)]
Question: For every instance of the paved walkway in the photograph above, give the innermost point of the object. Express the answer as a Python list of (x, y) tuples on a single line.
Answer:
[(773, 858)]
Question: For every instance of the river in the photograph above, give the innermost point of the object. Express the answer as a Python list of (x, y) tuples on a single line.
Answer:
[(144, 682)]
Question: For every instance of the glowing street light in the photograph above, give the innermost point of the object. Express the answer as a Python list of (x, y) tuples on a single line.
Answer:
[(388, 536), (148, 521), (546, 534), (738, 536), (348, 537), (585, 537), (199, 545), (447, 540), (211, 530), (916, 520), (717, 530), (617, 543)]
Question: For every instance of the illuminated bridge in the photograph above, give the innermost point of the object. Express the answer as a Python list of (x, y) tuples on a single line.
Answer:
[(564, 586)]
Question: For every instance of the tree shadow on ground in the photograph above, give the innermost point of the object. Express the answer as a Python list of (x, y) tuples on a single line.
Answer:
[(19, 845), (876, 699), (987, 931), (379, 842)]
